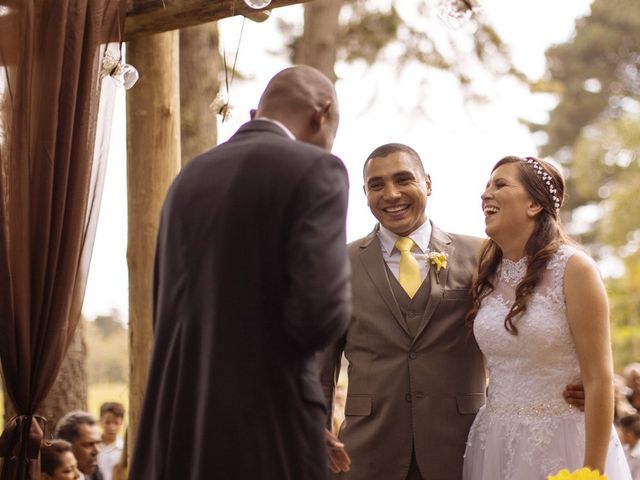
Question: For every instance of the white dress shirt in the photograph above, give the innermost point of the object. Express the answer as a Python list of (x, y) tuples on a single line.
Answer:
[(421, 237)]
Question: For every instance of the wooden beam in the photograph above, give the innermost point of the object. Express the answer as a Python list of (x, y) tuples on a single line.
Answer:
[(145, 17)]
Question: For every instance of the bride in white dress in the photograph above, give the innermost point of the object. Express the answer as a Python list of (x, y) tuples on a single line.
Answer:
[(542, 322)]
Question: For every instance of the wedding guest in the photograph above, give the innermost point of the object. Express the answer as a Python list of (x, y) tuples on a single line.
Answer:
[(57, 461), (631, 374), (111, 446), (630, 426), (622, 394), (120, 469), (541, 318), (251, 279), (80, 429)]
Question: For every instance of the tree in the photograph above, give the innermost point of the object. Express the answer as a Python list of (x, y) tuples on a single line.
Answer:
[(199, 84), (352, 30), (594, 131)]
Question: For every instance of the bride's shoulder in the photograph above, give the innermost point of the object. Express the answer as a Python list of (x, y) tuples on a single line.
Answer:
[(576, 264), (566, 254)]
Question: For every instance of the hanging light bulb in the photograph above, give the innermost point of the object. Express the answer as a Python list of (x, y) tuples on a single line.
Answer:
[(257, 4), (455, 13)]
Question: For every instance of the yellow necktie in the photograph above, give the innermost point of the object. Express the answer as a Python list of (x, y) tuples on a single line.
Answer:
[(409, 270)]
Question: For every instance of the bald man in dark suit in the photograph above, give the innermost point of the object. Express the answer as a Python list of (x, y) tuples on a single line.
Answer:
[(251, 279)]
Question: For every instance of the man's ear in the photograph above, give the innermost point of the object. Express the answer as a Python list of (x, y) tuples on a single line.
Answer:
[(427, 180), (320, 114), (252, 113), (534, 209)]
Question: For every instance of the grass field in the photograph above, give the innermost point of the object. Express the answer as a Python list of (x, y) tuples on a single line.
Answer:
[(98, 394)]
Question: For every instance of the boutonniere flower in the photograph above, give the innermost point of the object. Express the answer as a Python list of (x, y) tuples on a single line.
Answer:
[(438, 260), (581, 474)]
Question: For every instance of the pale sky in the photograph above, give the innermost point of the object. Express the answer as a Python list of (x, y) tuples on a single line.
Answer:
[(458, 143)]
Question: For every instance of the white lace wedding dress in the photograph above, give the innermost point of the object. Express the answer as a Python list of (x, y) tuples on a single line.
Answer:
[(526, 431)]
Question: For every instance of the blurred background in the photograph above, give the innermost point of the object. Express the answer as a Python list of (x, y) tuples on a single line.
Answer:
[(555, 79)]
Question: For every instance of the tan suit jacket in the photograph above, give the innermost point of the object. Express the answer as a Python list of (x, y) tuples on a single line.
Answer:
[(405, 392)]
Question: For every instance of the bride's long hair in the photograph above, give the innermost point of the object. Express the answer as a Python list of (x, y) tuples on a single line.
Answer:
[(546, 238)]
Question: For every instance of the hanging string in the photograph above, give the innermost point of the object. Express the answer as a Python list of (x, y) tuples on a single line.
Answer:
[(224, 110)]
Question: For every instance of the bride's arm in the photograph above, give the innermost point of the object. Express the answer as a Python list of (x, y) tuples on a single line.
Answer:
[(588, 316)]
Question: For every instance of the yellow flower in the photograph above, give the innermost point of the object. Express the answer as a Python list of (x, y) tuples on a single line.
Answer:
[(581, 474), (439, 259)]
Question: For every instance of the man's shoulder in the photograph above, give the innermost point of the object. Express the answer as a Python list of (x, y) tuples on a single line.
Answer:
[(461, 239), (356, 245)]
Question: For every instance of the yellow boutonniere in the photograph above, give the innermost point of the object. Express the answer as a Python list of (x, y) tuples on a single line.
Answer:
[(581, 474), (439, 260)]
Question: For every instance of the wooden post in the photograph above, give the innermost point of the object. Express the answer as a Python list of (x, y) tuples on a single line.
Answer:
[(200, 65), (153, 152)]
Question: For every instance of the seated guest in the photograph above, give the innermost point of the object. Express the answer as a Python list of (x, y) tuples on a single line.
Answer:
[(80, 429), (630, 426), (57, 461)]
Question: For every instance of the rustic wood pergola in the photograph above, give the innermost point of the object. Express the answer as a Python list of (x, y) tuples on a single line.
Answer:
[(153, 150)]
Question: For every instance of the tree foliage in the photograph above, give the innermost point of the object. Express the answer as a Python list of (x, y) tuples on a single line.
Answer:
[(594, 131), (406, 33), (108, 347)]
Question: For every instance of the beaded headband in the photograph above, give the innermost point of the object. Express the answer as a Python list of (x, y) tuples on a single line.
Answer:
[(546, 179)]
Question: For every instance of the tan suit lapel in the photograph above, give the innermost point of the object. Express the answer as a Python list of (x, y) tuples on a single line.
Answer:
[(440, 242), (374, 264)]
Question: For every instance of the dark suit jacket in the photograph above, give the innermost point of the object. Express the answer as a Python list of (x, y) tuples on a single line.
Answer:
[(251, 278), (408, 392)]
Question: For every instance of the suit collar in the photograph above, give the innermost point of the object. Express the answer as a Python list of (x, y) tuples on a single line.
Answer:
[(282, 126), (371, 257), (440, 242), (260, 125), (373, 262)]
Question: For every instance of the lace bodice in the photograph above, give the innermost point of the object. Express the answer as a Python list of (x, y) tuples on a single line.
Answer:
[(526, 431), (531, 369)]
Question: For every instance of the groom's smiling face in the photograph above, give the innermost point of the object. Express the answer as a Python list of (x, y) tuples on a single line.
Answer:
[(397, 191)]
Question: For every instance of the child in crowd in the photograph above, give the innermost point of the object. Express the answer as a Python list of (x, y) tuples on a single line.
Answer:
[(630, 426), (111, 446)]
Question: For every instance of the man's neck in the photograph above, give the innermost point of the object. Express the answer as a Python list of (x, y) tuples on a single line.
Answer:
[(280, 124)]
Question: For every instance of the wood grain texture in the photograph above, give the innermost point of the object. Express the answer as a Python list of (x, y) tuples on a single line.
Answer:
[(145, 17)]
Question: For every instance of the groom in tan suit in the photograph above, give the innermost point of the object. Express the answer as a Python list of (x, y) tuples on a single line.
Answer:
[(416, 378)]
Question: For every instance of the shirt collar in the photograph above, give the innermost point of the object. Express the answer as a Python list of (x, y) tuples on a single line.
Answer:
[(421, 236), (280, 124)]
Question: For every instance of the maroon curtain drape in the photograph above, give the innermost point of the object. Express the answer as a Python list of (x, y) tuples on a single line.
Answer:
[(54, 132)]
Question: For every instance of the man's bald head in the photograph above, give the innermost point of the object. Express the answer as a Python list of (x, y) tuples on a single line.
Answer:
[(304, 100)]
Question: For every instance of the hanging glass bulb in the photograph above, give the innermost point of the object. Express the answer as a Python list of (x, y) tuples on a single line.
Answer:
[(123, 74), (454, 13), (257, 4)]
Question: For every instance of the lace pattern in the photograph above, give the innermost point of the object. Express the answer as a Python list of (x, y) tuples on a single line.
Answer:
[(527, 372), (512, 273)]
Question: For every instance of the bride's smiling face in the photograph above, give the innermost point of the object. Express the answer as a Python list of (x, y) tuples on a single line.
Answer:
[(509, 210)]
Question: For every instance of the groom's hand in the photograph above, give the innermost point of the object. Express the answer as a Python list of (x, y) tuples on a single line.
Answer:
[(339, 461), (574, 395)]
